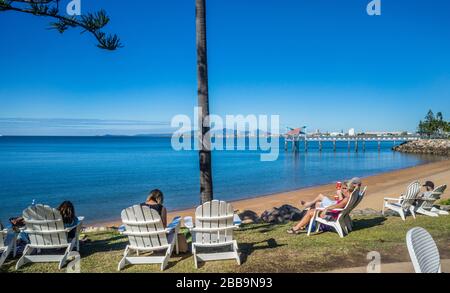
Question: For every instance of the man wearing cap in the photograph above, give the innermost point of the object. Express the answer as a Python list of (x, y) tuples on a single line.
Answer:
[(356, 181), (429, 188)]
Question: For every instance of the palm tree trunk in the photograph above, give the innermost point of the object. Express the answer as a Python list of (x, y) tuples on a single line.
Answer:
[(206, 185)]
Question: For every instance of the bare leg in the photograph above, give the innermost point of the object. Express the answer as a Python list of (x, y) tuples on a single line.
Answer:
[(305, 221), (312, 203)]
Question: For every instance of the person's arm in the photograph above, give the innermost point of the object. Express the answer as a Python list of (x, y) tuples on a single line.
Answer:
[(164, 217), (339, 205), (339, 194)]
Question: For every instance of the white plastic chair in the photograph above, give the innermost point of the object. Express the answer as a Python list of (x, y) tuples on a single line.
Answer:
[(146, 233), (423, 251), (425, 205), (338, 224), (404, 203), (45, 228)]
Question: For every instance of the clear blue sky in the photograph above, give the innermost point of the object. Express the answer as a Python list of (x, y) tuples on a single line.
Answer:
[(321, 63)]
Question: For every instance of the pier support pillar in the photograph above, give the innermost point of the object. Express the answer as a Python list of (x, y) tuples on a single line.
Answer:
[(356, 146), (334, 145), (306, 146), (348, 145), (320, 145), (379, 145), (364, 145)]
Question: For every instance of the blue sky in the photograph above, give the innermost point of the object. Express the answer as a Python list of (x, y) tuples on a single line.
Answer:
[(321, 63)]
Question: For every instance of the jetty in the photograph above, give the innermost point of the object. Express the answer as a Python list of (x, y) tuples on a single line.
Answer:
[(295, 137)]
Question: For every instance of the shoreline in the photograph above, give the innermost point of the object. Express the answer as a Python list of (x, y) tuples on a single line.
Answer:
[(387, 184)]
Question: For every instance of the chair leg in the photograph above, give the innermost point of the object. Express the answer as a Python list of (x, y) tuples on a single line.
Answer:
[(4, 255), (236, 252), (69, 248), (402, 214), (194, 252), (167, 257), (123, 261), (411, 209), (339, 230), (23, 260)]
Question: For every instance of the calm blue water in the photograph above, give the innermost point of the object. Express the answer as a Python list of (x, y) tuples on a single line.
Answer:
[(103, 175)]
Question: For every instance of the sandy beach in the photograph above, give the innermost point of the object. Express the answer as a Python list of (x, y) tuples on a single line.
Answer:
[(390, 184)]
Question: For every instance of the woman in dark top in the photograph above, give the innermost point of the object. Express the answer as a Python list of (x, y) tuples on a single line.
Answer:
[(155, 201), (70, 220)]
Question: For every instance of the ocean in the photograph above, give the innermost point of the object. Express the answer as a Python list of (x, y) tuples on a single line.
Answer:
[(103, 175)]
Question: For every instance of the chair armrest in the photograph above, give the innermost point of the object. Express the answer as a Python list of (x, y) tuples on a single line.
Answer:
[(330, 210), (174, 225), (393, 199), (188, 223)]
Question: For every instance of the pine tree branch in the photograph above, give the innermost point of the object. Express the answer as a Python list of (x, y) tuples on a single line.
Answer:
[(91, 23)]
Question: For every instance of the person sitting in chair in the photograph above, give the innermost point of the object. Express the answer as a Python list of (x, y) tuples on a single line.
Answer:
[(155, 201), (327, 204)]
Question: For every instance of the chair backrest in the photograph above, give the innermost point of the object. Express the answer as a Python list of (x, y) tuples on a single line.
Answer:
[(411, 194), (354, 197), (440, 189), (144, 227), (3, 234), (44, 226), (360, 197), (423, 251), (214, 222)]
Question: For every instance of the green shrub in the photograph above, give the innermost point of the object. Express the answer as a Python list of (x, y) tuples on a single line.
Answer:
[(445, 202)]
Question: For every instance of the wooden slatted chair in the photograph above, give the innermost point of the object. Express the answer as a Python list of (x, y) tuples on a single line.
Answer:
[(423, 251), (338, 224), (45, 228), (405, 202), (214, 225), (146, 233), (6, 245), (425, 205)]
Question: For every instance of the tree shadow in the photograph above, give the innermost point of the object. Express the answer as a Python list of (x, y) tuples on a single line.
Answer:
[(264, 228), (247, 249)]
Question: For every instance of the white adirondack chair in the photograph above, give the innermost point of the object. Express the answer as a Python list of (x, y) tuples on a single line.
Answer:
[(338, 224), (45, 228), (405, 202), (146, 233), (348, 220), (6, 247), (423, 251), (214, 226), (425, 206)]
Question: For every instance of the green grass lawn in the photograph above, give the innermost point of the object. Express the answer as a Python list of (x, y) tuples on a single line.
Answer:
[(268, 248)]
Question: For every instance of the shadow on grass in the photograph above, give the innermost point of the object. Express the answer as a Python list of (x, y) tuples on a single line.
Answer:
[(361, 224), (262, 227), (247, 249), (104, 245)]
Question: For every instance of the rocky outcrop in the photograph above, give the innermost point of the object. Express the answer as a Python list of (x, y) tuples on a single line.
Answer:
[(439, 147), (281, 215)]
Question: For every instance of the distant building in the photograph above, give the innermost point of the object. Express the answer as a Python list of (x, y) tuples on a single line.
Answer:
[(351, 132)]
